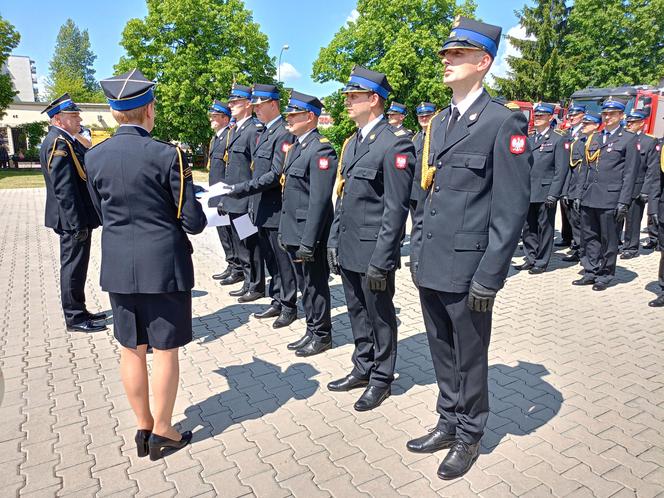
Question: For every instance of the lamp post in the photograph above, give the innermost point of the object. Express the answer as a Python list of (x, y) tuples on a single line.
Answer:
[(285, 47)]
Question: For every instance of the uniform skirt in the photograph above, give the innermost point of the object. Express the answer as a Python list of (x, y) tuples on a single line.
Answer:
[(162, 321)]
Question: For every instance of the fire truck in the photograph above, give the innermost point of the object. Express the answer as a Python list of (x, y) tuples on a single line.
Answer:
[(527, 109), (641, 97)]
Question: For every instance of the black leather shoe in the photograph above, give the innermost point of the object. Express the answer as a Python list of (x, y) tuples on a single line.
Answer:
[(536, 270), (250, 296), (563, 243), (599, 286), (141, 438), (286, 317), (524, 266), (458, 460), (301, 342), (157, 444), (649, 245), (232, 279), (97, 316), (584, 281), (238, 292), (629, 255), (347, 383), (434, 441), (657, 303), (572, 258), (224, 274), (313, 347), (271, 312), (86, 326), (371, 398)]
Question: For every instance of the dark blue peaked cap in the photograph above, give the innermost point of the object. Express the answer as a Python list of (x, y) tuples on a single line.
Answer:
[(425, 108), (128, 90), (366, 80), (576, 109), (301, 102), (468, 33), (635, 115), (64, 103), (544, 108), (614, 104), (263, 93), (592, 117), (239, 92), (219, 107), (396, 108)]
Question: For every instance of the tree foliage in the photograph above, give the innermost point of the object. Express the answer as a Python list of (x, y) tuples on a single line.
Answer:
[(194, 49), (400, 39), (536, 74), (70, 69), (9, 40)]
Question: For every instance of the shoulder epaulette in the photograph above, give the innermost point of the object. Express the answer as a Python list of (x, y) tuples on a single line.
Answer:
[(164, 142), (324, 140), (651, 135), (400, 133), (560, 132), (510, 105)]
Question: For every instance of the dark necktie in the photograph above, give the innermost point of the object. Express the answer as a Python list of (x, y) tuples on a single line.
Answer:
[(358, 141), (454, 118)]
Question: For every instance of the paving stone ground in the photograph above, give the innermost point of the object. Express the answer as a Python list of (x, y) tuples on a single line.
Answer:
[(576, 380)]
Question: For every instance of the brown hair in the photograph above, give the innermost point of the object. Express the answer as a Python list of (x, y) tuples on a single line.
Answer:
[(131, 116)]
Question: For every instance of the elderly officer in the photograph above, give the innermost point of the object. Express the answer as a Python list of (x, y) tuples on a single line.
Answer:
[(648, 168), (376, 168), (396, 113), (613, 161), (308, 179), (476, 173), (239, 152), (264, 193), (547, 179), (69, 210), (144, 194), (220, 115), (657, 216)]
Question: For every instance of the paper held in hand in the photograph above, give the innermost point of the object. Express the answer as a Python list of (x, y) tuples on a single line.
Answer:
[(244, 227)]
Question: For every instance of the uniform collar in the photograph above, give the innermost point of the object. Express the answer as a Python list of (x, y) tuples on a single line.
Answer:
[(221, 131), (239, 124), (302, 138), (65, 132), (134, 126), (268, 125), (366, 129), (469, 100)]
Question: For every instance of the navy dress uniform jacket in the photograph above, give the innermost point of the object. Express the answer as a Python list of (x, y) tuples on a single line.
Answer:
[(648, 164), (268, 164), (416, 190), (143, 192), (549, 171), (610, 179), (469, 224), (68, 204), (216, 162), (575, 155), (309, 176), (370, 215), (241, 145)]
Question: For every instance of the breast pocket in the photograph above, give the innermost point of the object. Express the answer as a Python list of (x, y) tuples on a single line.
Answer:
[(468, 171), (364, 182)]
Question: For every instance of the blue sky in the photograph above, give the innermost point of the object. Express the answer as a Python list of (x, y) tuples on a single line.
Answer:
[(281, 21)]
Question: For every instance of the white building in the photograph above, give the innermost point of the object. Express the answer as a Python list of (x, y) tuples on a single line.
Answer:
[(23, 73)]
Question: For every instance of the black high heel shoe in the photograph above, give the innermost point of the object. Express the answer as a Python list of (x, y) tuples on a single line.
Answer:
[(158, 443), (142, 437)]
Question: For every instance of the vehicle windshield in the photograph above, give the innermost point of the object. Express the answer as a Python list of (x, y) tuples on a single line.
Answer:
[(595, 105)]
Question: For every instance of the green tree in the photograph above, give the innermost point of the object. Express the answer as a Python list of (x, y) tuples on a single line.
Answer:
[(400, 39), (9, 39), (194, 49), (613, 43), (536, 73), (70, 69)]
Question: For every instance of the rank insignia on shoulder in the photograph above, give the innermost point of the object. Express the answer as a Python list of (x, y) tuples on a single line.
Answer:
[(60, 153), (187, 172), (559, 132), (323, 163), (517, 144), (401, 161), (400, 133), (324, 140)]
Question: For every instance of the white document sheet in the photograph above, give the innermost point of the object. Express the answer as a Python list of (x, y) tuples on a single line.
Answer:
[(214, 219), (244, 226)]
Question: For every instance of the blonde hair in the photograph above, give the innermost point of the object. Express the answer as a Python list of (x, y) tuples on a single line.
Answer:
[(136, 115)]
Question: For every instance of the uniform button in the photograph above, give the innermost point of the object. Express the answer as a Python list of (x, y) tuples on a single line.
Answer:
[(283, 212), (467, 162), (477, 246), (375, 236), (433, 212), (595, 181), (343, 228), (429, 235), (439, 164), (437, 188)]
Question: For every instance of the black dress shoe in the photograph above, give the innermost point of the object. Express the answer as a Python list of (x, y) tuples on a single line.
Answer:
[(458, 460), (584, 281), (301, 342), (286, 317), (372, 397), (313, 347), (434, 441), (97, 316), (224, 274), (649, 245), (563, 243), (250, 296), (629, 255), (524, 266), (271, 312), (157, 444), (347, 383), (238, 292), (657, 303), (536, 270), (141, 438), (232, 279), (599, 286), (572, 258), (86, 326)]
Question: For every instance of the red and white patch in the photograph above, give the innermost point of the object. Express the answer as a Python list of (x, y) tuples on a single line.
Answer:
[(566, 145), (638, 146), (401, 161), (518, 144), (285, 146), (323, 163)]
